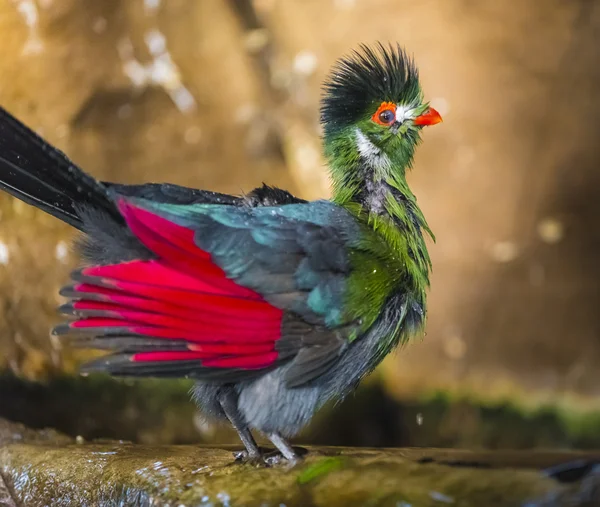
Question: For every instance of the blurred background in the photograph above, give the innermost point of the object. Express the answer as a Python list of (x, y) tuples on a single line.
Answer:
[(224, 95)]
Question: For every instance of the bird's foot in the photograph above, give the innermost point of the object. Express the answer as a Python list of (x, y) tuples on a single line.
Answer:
[(258, 459), (275, 458), (269, 459), (250, 458), (286, 451)]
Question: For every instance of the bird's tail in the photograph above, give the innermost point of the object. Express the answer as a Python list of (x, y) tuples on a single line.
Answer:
[(37, 173)]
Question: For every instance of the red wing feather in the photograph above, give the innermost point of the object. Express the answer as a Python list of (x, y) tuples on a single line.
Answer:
[(179, 297)]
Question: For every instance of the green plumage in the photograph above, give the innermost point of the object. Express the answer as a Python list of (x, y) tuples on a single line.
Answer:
[(337, 283), (372, 186), (338, 263)]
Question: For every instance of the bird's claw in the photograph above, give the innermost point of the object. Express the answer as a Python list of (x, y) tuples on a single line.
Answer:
[(248, 457), (274, 459), (266, 459)]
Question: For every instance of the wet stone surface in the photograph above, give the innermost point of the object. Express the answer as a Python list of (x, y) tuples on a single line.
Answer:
[(45, 468)]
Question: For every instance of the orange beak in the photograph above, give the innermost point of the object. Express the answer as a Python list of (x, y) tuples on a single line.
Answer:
[(430, 117)]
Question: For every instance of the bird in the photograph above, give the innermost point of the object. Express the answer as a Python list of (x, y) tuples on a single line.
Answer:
[(272, 304)]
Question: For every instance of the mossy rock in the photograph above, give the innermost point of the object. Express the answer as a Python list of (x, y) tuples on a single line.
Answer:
[(45, 468)]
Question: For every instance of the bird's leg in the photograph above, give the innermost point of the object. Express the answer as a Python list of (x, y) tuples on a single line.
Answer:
[(284, 448), (228, 401)]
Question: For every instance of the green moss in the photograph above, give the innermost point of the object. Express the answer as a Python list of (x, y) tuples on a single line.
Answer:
[(573, 425), (159, 411), (98, 406), (320, 469)]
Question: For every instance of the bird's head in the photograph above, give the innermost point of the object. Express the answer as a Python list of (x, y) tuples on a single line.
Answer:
[(374, 101)]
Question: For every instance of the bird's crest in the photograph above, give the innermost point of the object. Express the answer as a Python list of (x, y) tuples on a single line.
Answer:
[(368, 80)]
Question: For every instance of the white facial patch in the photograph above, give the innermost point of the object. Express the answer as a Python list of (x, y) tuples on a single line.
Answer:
[(404, 112), (370, 153)]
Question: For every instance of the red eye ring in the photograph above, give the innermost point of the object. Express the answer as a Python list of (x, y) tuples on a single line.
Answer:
[(385, 114)]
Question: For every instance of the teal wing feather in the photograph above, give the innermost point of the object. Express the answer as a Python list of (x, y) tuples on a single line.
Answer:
[(302, 259), (296, 256)]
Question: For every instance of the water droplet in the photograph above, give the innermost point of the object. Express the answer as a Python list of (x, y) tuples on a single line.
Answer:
[(505, 251), (305, 63), (256, 40), (224, 498), (440, 497), (551, 231), (61, 251)]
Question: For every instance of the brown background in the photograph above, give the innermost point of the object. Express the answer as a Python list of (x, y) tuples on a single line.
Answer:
[(509, 182)]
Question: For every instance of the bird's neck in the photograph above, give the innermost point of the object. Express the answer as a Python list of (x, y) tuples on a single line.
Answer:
[(372, 185)]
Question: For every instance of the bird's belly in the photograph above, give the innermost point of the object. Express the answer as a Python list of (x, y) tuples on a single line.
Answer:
[(271, 407), (268, 405)]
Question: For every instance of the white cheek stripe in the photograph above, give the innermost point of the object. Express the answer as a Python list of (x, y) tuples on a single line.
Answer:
[(365, 147), (370, 153)]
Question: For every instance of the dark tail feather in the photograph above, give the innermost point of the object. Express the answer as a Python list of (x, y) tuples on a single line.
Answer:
[(40, 175)]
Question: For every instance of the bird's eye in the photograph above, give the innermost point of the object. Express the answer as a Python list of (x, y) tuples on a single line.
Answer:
[(385, 114)]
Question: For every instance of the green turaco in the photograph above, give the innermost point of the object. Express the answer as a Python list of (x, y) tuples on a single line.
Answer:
[(272, 304)]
